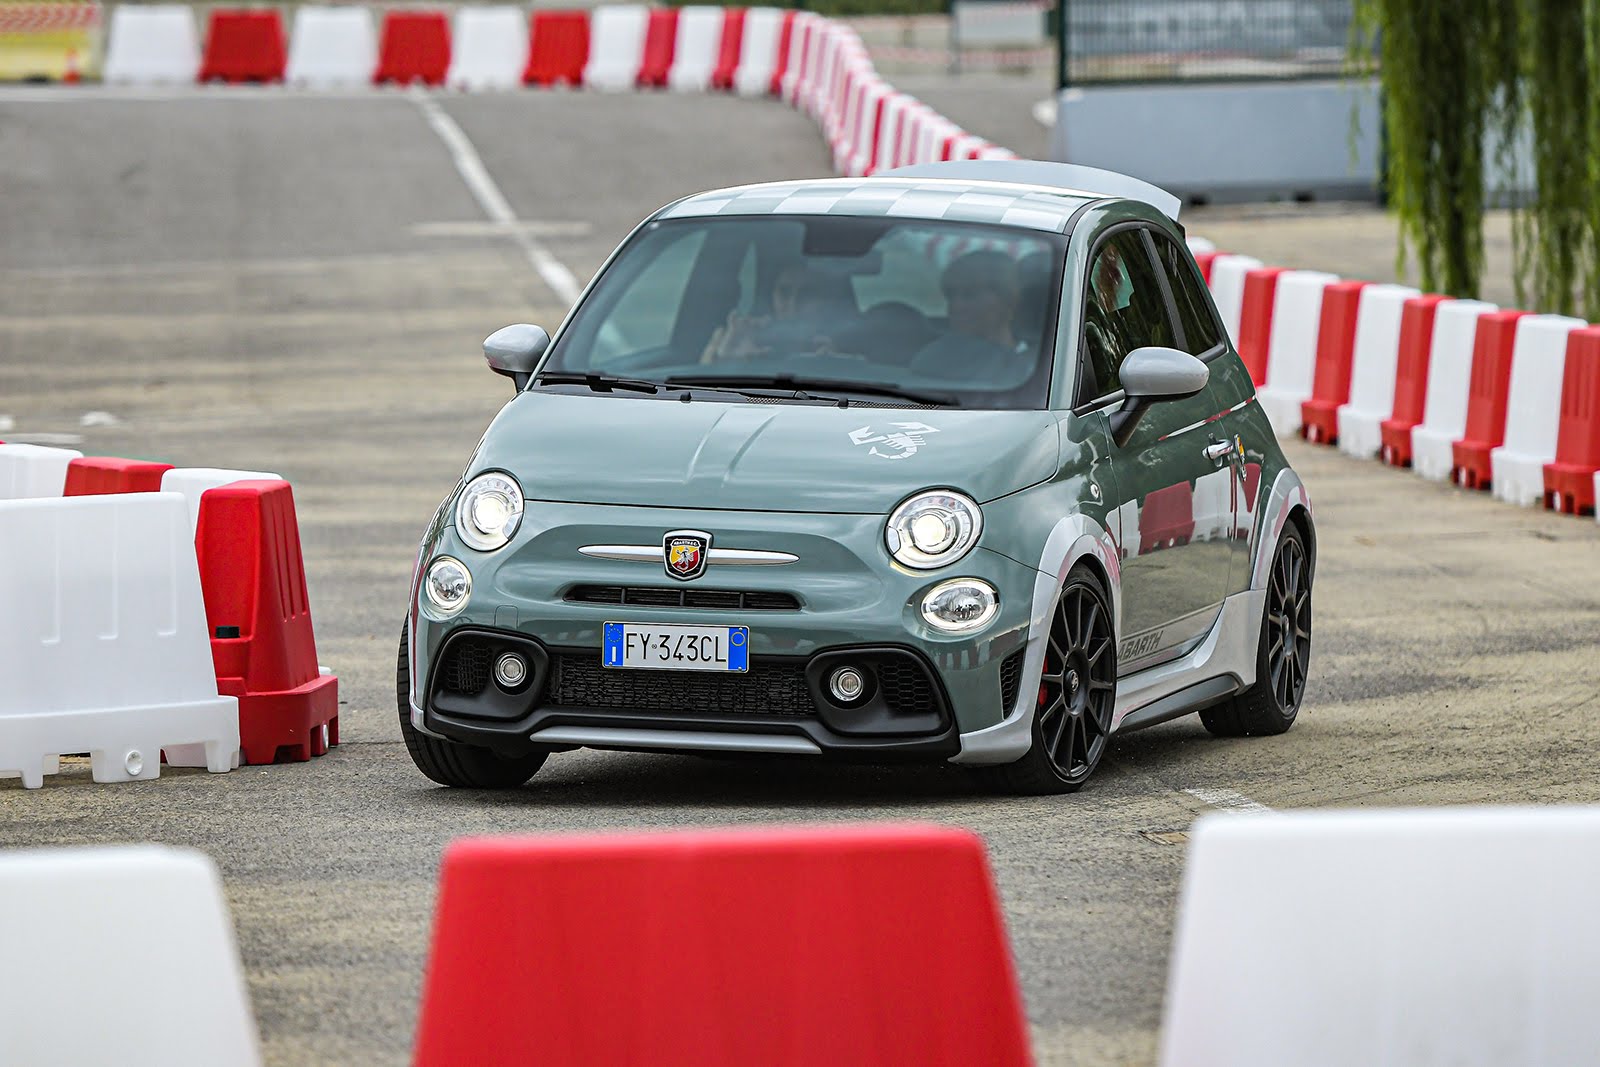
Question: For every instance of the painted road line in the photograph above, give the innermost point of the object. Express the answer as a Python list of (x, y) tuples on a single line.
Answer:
[(554, 273), (1230, 801)]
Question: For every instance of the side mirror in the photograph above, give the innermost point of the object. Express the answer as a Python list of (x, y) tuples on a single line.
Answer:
[(1150, 375), (515, 350)]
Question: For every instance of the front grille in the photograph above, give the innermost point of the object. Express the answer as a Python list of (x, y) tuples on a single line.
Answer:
[(906, 685), (1010, 680), (655, 596), (466, 668), (768, 689)]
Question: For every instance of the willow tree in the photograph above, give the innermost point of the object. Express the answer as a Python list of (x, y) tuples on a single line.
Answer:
[(1463, 84)]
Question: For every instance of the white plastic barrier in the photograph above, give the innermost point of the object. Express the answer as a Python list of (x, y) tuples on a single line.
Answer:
[(488, 48), (332, 48), (853, 157), (815, 97), (33, 470), (758, 51), (155, 44), (1292, 347), (695, 49), (935, 130), (1444, 413), (800, 32), (1463, 936), (192, 482), (121, 955), (112, 658), (1533, 408), (967, 146), (1227, 289), (896, 111), (1199, 246), (857, 72), (1372, 369), (1213, 505), (616, 46)]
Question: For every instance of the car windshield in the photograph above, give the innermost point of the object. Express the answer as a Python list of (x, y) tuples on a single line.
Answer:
[(907, 310)]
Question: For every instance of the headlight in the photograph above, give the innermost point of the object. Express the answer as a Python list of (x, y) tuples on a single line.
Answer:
[(447, 585), (961, 606), (933, 529), (490, 510)]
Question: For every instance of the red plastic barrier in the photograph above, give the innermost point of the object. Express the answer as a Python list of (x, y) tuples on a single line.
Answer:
[(877, 945), (414, 47), (1336, 349), (1410, 379), (729, 48), (1569, 481), (660, 36), (98, 475), (785, 35), (244, 46), (1203, 260), (1492, 348), (1167, 518), (558, 48), (1255, 319), (248, 543)]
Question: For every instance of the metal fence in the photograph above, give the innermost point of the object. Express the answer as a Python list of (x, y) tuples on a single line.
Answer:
[(1111, 41)]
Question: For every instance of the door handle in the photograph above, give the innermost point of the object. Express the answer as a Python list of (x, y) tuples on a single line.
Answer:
[(1217, 451)]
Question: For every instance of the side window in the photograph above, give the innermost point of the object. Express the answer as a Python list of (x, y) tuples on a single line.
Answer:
[(1200, 329), (1124, 309)]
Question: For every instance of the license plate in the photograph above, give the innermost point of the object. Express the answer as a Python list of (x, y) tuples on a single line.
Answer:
[(676, 648)]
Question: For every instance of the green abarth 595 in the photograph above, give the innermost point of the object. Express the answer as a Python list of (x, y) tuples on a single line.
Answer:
[(956, 462)]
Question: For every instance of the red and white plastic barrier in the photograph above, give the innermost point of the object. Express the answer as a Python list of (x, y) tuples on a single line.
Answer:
[(1571, 478), (1372, 370), (1392, 929), (681, 960), (1532, 398), (1336, 348), (697, 49), (1292, 351), (414, 47), (1227, 288), (244, 46), (1411, 377), (616, 47), (1455, 331), (113, 659), (121, 955)]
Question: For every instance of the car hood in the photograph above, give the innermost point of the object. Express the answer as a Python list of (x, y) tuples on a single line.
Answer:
[(761, 457)]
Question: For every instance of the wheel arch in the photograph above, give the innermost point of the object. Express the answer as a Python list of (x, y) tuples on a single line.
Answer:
[(1286, 502)]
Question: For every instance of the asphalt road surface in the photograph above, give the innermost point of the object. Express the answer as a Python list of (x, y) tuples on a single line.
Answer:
[(262, 280)]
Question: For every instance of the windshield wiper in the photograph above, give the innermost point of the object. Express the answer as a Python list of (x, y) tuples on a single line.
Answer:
[(803, 385), (600, 383)]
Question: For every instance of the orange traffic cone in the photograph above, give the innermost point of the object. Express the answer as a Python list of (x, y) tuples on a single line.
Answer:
[(71, 77)]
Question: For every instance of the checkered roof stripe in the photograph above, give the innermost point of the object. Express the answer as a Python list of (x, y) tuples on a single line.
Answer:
[(996, 203)]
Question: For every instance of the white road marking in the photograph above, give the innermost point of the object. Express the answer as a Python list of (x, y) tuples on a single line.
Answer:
[(561, 281), (1230, 801)]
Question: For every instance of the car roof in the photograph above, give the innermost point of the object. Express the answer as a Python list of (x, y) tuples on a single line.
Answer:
[(1025, 194)]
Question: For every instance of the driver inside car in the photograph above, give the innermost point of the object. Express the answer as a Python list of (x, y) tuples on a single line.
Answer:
[(981, 291), (808, 308)]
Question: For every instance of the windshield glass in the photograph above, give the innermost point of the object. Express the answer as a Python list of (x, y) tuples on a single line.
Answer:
[(939, 312)]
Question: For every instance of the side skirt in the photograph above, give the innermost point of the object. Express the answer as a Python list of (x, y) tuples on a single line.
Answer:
[(1221, 665)]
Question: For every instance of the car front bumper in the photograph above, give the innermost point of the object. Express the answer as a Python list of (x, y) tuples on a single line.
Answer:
[(851, 603)]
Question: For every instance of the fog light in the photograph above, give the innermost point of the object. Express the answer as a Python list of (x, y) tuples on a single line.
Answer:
[(447, 585), (510, 670), (961, 606), (847, 685)]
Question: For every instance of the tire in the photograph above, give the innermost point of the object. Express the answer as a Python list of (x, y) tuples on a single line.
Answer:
[(1282, 655), (1077, 696), (450, 762)]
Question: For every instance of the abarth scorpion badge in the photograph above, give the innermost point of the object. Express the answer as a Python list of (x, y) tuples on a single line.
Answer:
[(686, 553)]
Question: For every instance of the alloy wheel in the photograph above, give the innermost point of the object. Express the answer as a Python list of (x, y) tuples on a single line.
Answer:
[(1289, 625), (1077, 690)]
